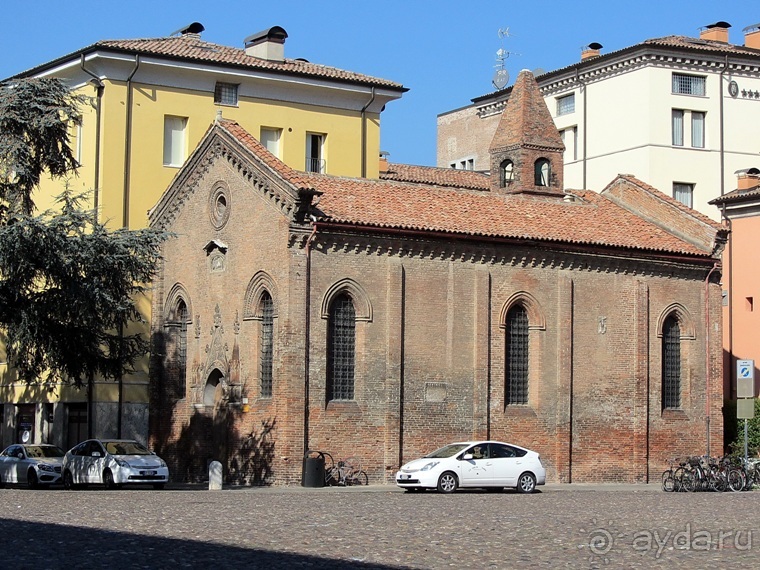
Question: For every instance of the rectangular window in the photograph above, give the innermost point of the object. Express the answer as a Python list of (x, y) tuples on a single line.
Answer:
[(677, 127), (750, 304), (76, 143), (270, 138), (688, 84), (174, 140), (570, 138), (684, 193), (226, 94), (566, 104), (315, 161), (697, 129)]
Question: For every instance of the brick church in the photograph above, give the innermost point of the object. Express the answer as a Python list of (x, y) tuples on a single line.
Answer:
[(383, 318)]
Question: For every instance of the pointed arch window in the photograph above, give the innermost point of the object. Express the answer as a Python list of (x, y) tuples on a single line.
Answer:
[(671, 363), (543, 173), (180, 349), (266, 344), (506, 172), (341, 350), (516, 382)]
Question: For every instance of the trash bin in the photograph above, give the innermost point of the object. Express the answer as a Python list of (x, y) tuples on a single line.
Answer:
[(313, 471)]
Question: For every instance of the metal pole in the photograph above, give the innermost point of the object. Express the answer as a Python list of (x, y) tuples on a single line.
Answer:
[(746, 458)]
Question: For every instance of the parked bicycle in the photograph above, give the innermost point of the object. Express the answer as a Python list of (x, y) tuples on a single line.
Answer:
[(704, 473), (346, 472)]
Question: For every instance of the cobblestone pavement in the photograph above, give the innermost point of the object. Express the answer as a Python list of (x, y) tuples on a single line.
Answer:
[(379, 527)]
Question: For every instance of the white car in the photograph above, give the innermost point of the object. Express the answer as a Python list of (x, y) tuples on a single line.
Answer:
[(486, 464), (113, 462), (31, 465)]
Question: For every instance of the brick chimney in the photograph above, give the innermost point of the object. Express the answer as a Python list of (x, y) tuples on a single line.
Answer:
[(752, 36), (748, 179), (591, 50), (383, 161), (268, 44), (717, 32)]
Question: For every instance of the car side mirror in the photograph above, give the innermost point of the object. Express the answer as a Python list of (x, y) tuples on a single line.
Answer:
[(95, 454), (467, 457), (20, 455)]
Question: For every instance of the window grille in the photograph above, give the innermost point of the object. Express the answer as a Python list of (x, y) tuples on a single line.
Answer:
[(671, 364), (181, 349), (517, 356), (267, 344), (226, 94), (566, 105), (341, 349), (688, 84)]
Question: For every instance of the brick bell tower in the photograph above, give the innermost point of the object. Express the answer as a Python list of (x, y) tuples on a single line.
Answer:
[(526, 151)]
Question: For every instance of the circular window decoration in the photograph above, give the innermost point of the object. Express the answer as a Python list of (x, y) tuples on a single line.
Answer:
[(219, 205)]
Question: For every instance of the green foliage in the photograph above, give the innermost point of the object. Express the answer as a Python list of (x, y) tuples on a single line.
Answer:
[(67, 284), (35, 115), (67, 288), (753, 434)]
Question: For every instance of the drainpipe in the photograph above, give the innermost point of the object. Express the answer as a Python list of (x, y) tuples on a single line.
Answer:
[(707, 354), (128, 145), (364, 134), (585, 123), (731, 367), (307, 337), (98, 106), (722, 150)]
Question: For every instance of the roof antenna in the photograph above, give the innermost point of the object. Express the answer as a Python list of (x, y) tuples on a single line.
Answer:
[(501, 76)]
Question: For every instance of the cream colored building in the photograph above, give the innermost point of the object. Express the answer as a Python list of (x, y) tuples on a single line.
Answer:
[(151, 101), (679, 113)]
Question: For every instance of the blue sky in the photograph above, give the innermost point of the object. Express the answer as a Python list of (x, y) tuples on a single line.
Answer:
[(444, 51)]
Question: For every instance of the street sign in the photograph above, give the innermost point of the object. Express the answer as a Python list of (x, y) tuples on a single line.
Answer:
[(745, 408), (745, 378), (745, 369)]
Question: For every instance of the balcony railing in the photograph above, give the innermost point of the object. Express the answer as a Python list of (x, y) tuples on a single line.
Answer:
[(315, 165)]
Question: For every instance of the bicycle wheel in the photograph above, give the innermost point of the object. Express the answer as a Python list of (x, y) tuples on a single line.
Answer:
[(359, 478), (329, 466), (332, 477), (736, 481), (352, 464), (678, 478), (668, 481)]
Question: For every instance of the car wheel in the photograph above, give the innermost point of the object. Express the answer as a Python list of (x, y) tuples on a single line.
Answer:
[(158, 486), (447, 482), (68, 481), (108, 480), (31, 479), (526, 483)]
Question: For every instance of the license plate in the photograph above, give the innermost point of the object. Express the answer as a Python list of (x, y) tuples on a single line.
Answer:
[(149, 472)]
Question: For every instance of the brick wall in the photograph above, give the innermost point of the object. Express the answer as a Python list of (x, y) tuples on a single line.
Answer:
[(429, 349)]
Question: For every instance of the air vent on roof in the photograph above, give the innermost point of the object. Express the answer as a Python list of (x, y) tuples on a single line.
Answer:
[(717, 32), (267, 44), (752, 36), (191, 29)]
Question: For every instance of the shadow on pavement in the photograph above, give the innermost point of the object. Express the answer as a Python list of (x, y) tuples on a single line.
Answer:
[(45, 545)]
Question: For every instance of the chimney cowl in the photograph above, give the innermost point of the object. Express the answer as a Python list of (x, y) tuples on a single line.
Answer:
[(191, 30), (591, 50), (752, 36), (747, 178), (715, 32), (267, 44)]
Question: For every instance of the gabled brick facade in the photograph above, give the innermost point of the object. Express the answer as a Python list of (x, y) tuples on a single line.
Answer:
[(431, 273)]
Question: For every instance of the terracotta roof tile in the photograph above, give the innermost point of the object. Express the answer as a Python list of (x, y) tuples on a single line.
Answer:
[(584, 218), (191, 48), (449, 177)]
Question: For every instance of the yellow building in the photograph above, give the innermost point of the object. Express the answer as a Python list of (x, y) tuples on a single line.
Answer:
[(151, 101)]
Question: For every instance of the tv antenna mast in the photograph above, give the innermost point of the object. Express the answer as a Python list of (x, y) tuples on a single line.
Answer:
[(501, 76)]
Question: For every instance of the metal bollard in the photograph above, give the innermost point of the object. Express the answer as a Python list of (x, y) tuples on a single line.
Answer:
[(215, 476)]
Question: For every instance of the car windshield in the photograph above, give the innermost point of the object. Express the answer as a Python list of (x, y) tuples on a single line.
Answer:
[(38, 451), (447, 451), (126, 448)]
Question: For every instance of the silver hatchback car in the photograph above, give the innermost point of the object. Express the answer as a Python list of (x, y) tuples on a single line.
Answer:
[(113, 463)]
